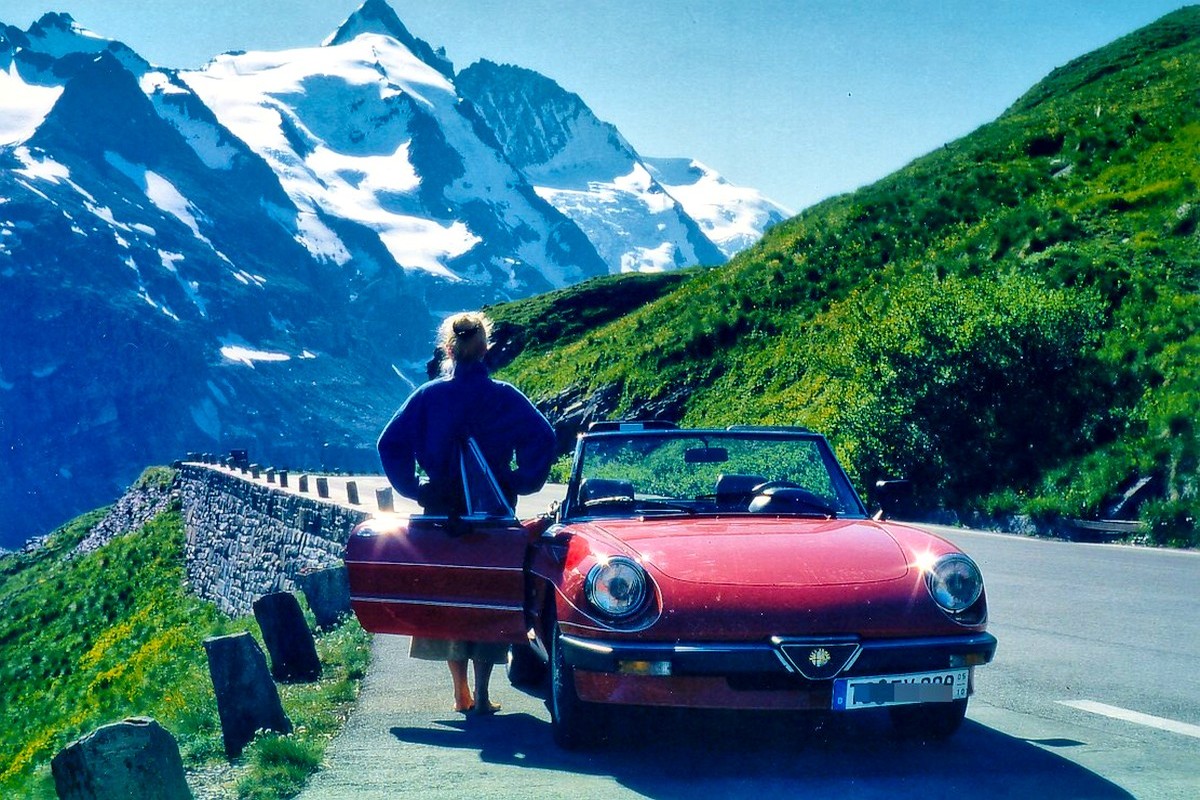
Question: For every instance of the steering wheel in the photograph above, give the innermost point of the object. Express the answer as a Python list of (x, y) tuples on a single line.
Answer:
[(802, 495)]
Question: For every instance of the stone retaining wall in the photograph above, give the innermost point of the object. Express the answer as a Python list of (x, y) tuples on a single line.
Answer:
[(246, 540)]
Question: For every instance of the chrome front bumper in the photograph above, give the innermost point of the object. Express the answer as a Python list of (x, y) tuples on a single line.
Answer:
[(806, 660)]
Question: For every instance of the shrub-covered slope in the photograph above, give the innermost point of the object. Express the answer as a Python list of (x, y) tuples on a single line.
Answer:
[(1012, 320)]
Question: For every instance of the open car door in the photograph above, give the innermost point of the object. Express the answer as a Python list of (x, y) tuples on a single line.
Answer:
[(444, 577)]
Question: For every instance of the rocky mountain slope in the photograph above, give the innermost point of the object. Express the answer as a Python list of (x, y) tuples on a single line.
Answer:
[(255, 254)]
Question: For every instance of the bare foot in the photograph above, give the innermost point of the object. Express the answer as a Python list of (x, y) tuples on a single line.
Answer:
[(487, 708)]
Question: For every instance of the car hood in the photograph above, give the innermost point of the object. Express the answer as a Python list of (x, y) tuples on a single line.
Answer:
[(763, 551)]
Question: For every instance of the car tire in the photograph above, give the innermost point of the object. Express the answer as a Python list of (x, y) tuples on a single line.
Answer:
[(525, 670), (575, 724), (928, 721)]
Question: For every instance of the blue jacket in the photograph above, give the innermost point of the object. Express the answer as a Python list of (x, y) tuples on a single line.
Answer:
[(440, 414)]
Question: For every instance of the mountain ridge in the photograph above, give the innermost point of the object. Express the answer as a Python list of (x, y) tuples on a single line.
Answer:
[(251, 254)]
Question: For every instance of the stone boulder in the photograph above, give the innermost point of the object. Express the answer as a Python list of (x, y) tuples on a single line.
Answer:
[(133, 758)]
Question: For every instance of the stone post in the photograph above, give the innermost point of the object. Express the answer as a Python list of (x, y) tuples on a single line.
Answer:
[(352, 492), (134, 758), (288, 639), (322, 487), (328, 594), (247, 699), (383, 498)]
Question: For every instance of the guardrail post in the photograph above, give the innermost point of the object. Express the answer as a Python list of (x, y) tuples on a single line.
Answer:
[(287, 637), (247, 699)]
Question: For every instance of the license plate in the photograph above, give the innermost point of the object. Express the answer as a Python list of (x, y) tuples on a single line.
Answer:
[(895, 690)]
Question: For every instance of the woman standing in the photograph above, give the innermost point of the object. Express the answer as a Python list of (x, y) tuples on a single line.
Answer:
[(427, 432)]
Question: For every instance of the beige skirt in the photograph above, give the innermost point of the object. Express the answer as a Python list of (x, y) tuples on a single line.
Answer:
[(445, 650)]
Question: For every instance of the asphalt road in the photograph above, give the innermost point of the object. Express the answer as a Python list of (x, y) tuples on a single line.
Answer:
[(1095, 693)]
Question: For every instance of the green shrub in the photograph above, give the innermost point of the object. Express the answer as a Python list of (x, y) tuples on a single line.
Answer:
[(1173, 522)]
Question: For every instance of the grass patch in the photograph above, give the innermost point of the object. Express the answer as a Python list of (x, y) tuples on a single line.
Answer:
[(90, 640), (1085, 195)]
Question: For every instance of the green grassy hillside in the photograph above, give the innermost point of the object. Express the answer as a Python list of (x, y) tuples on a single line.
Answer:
[(91, 639), (1012, 321)]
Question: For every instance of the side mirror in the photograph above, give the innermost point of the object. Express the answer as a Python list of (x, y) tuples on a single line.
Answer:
[(895, 499)]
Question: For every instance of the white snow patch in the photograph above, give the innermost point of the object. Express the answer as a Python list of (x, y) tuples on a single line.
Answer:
[(733, 217), (190, 288), (248, 356), (169, 260), (161, 192), (145, 295), (23, 106), (248, 278), (649, 259), (44, 168), (37, 191), (155, 81)]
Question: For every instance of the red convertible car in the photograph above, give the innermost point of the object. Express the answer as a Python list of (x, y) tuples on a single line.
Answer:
[(729, 569)]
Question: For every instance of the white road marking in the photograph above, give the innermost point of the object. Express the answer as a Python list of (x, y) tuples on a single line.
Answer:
[(1162, 723)]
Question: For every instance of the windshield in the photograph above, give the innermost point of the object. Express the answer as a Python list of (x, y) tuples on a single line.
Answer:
[(709, 472)]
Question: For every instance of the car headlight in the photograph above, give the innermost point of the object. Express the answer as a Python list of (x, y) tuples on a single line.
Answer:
[(616, 587), (954, 582)]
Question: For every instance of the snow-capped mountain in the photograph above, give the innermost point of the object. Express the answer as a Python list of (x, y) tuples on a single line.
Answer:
[(366, 130), (255, 254), (732, 217), (586, 169), (641, 213)]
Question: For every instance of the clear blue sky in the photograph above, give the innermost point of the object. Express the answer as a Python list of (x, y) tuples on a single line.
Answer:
[(802, 99)]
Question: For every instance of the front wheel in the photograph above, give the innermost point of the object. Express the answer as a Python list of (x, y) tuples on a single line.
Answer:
[(573, 722), (525, 669), (928, 721)]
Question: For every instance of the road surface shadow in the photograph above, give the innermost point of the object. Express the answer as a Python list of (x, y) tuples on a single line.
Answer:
[(668, 754)]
